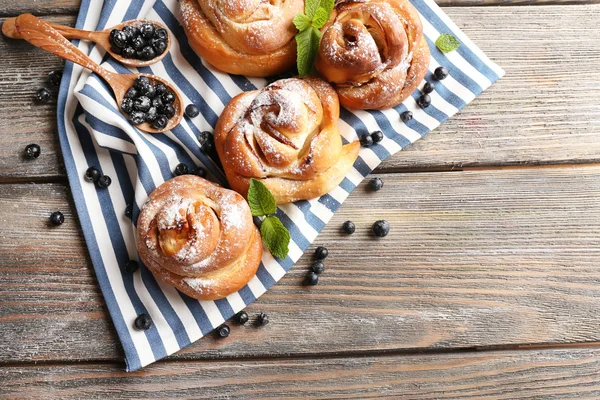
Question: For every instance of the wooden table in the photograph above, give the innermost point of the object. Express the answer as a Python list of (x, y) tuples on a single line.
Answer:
[(488, 285)]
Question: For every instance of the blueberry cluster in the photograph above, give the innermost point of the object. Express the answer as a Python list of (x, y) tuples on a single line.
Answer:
[(241, 318), (143, 42), (370, 139), (147, 102)]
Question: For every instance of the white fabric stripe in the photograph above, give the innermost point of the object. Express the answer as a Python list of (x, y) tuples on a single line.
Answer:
[(272, 266), (183, 312), (256, 287), (236, 302), (212, 312)]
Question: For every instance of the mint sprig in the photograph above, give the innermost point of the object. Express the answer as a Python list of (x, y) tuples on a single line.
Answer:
[(316, 14), (447, 43), (273, 232)]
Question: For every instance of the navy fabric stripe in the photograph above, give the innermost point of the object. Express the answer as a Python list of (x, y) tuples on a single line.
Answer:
[(246, 295), (264, 277)]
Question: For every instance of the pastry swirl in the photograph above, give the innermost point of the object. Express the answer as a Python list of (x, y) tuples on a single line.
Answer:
[(199, 237), (373, 52), (285, 135), (246, 37)]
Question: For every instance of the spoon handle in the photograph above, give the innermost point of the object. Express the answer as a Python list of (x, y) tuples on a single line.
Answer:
[(9, 30), (42, 35)]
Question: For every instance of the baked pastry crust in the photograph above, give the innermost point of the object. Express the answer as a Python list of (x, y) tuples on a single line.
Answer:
[(198, 237), (286, 136), (245, 37), (373, 52)]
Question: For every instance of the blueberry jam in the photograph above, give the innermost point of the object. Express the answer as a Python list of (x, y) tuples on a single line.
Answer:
[(148, 102), (142, 42)]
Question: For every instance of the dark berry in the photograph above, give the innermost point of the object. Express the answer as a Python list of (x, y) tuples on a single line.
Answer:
[(206, 140), (406, 116), (148, 53), (157, 102), (160, 89), (263, 319), (131, 266), (142, 103), (160, 122), (160, 33), (167, 111), (428, 87), (119, 39), (312, 279), (148, 91), (117, 50), (181, 169), (57, 218), (424, 101), (131, 32), (377, 136), (132, 93), (375, 184), (201, 172), (349, 227), (143, 322), (318, 267), (43, 95), (138, 43), (366, 141), (112, 34), (241, 317), (223, 331), (92, 174), (159, 46), (168, 97), (33, 151), (321, 253), (127, 105), (151, 114), (137, 117), (128, 52), (441, 73), (104, 181), (147, 31), (54, 77), (141, 81), (129, 210), (192, 111), (381, 228)]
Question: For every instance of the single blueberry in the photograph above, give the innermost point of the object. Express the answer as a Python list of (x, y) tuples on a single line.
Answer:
[(57, 218), (33, 150)]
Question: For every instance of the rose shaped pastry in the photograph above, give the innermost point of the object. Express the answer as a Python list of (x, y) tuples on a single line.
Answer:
[(285, 135), (373, 52), (198, 237), (246, 37)]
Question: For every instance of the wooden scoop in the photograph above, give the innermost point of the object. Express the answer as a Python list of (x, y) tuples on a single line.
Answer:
[(42, 35), (100, 37)]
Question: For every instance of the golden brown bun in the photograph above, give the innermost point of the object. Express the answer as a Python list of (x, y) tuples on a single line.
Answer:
[(286, 136), (199, 237), (373, 52), (245, 37)]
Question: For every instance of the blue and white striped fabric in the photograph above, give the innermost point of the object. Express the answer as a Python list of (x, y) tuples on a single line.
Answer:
[(94, 133)]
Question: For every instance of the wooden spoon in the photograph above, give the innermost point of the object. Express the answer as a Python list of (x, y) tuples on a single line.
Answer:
[(42, 35), (100, 37)]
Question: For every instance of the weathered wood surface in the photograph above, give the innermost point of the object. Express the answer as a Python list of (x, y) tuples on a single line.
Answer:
[(540, 374), (545, 110), (473, 259)]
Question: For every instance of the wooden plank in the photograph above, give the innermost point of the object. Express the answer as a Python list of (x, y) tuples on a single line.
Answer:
[(543, 374), (546, 110), (473, 259)]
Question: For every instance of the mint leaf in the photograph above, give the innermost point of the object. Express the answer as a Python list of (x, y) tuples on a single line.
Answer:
[(260, 199), (308, 45), (302, 22), (276, 236), (310, 7), (321, 16), (447, 43), (327, 5)]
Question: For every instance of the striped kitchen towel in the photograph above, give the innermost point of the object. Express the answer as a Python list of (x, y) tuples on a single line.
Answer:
[(94, 133)]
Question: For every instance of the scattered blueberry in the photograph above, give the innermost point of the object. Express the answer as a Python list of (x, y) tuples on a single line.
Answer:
[(312, 279), (181, 169), (241, 317), (428, 87), (318, 267), (381, 228), (43, 95), (192, 111), (57, 218), (263, 319), (377, 136), (424, 101), (160, 122), (54, 77), (33, 151), (104, 181), (375, 184), (321, 253), (223, 331), (206, 141), (441, 73), (92, 174), (349, 227), (406, 116), (129, 210), (366, 141), (131, 266), (143, 322), (201, 172)]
